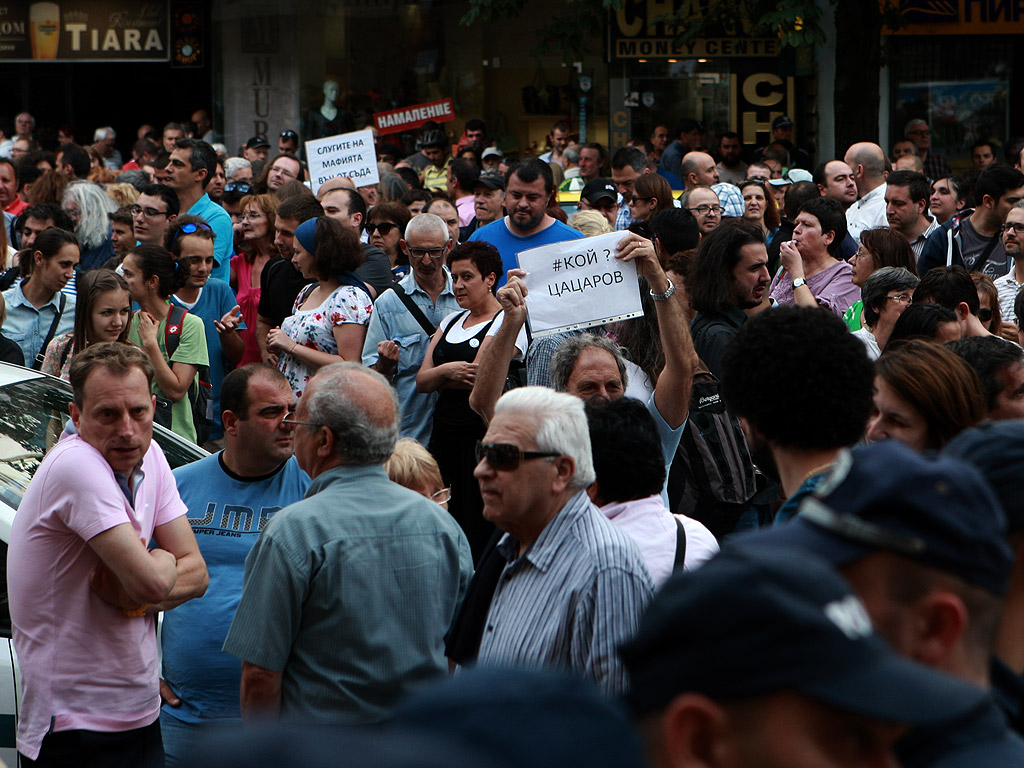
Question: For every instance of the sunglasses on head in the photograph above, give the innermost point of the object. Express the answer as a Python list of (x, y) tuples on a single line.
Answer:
[(241, 187), (385, 227), (505, 456), (191, 229), (289, 135)]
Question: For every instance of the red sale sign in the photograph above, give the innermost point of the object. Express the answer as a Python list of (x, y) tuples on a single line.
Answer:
[(408, 118)]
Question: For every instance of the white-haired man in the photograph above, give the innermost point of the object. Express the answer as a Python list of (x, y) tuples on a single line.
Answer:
[(406, 316), (574, 586)]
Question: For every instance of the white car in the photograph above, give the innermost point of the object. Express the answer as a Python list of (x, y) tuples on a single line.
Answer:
[(33, 411)]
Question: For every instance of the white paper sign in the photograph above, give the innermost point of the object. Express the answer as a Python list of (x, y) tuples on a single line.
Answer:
[(348, 154), (579, 284)]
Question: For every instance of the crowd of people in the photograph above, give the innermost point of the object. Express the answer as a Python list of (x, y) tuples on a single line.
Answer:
[(776, 517)]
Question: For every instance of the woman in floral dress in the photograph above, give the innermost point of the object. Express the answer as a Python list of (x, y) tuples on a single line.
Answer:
[(329, 317)]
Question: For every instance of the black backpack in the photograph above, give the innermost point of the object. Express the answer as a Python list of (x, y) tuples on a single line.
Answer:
[(200, 394), (712, 477)]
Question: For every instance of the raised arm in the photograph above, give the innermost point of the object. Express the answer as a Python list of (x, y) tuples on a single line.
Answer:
[(496, 356), (672, 391)]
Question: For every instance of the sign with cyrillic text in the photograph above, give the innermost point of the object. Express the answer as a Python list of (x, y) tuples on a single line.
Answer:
[(348, 154), (579, 284), (409, 118)]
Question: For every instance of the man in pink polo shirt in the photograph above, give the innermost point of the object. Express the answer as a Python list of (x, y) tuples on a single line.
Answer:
[(100, 544)]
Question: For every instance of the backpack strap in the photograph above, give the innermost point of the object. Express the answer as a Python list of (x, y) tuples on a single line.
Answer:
[(172, 330), (677, 565), (414, 309), (41, 355)]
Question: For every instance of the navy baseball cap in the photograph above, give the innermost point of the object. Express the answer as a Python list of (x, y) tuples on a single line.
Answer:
[(256, 142), (885, 496), (756, 620), (782, 121), (996, 449), (597, 189)]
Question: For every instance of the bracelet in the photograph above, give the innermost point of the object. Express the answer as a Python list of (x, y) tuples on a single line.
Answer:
[(135, 612), (294, 345), (666, 295)]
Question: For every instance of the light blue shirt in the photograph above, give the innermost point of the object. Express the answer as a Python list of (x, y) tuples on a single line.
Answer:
[(391, 320), (223, 246), (28, 327), (730, 198)]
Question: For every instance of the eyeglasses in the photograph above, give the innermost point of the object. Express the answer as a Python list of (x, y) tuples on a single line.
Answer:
[(191, 229), (385, 227), (255, 216), (151, 213), (506, 457), (901, 299), (862, 254), (295, 422), (705, 209), (241, 187), (441, 497), (1017, 227), (419, 253), (289, 135), (636, 199)]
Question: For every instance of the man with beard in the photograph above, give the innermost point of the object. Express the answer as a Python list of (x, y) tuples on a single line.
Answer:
[(1009, 284), (729, 276), (406, 316), (528, 188), (783, 366), (731, 167)]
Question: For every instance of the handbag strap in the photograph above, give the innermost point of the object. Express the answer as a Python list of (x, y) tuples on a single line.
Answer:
[(41, 355), (680, 546), (414, 309)]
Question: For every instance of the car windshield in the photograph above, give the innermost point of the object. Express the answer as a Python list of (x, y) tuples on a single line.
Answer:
[(32, 416)]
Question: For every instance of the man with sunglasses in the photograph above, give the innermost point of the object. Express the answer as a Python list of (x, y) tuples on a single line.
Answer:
[(405, 317), (573, 585), (288, 143), (347, 593), (601, 195), (922, 541)]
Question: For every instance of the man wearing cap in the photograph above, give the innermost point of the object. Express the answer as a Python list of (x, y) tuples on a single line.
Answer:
[(491, 160), (397, 338), (782, 134), (488, 203), (256, 151), (601, 195), (528, 184), (906, 208), (996, 449), (763, 660), (782, 365), (778, 186), (922, 540), (867, 161)]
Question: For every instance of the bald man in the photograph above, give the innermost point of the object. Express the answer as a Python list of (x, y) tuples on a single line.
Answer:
[(867, 161)]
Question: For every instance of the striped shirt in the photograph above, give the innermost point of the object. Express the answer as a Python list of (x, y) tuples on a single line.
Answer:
[(573, 596)]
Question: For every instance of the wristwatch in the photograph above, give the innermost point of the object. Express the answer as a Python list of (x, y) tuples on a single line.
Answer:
[(798, 281)]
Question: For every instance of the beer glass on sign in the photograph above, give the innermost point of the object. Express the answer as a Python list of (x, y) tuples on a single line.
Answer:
[(44, 30)]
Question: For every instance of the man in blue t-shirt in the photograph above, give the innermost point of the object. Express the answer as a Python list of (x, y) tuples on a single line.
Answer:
[(528, 186), (230, 496)]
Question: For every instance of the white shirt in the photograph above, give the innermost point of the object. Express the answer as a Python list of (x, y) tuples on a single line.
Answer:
[(1007, 286), (649, 523), (870, 343), (918, 245), (867, 212)]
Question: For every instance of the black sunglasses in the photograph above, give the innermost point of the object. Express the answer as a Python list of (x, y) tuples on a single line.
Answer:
[(385, 227), (290, 135), (241, 187), (507, 457)]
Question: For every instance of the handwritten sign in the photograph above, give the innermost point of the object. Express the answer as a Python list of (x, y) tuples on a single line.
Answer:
[(409, 118), (579, 284), (348, 154)]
